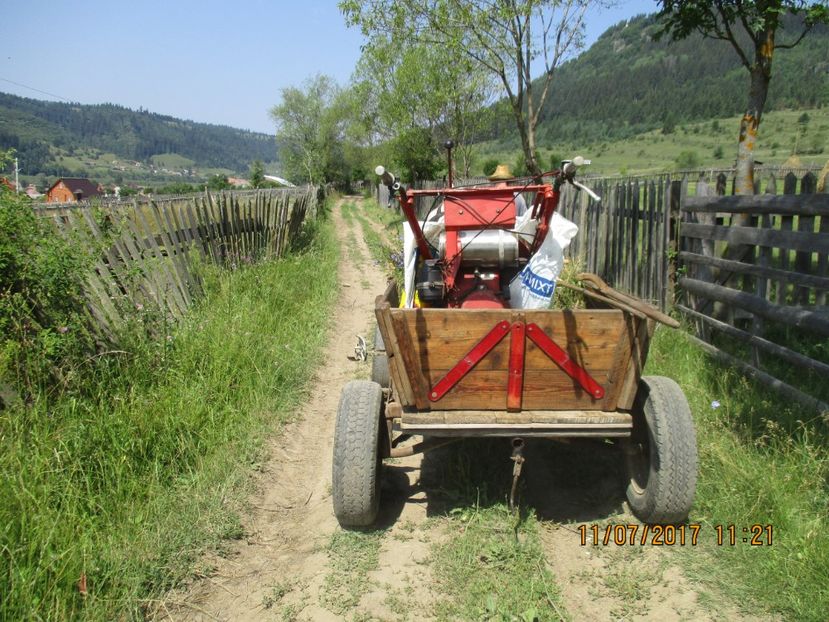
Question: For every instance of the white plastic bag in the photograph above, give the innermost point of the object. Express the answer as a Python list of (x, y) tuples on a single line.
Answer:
[(533, 287)]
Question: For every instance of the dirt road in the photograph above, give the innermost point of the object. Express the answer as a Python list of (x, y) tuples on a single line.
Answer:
[(296, 564)]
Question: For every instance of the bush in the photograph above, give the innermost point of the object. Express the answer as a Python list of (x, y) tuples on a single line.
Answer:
[(687, 160), (489, 166), (42, 321)]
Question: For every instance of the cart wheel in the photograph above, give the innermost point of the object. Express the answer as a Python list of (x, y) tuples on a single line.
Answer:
[(380, 363), (356, 473), (662, 454)]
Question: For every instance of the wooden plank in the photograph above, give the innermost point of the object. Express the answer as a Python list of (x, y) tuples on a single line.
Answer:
[(636, 363), (785, 276), (399, 380), (172, 287), (175, 265), (440, 340), (805, 224), (618, 368), (418, 383), (577, 417), (543, 389), (794, 240), (763, 378), (782, 352), (789, 205), (790, 316)]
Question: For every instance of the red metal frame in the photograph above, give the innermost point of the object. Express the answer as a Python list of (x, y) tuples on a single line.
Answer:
[(515, 382), (465, 365), (563, 360)]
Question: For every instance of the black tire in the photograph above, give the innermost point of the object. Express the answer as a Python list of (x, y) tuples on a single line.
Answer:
[(662, 453), (380, 362), (356, 472)]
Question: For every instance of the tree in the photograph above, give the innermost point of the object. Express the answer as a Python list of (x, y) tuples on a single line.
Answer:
[(309, 130), (504, 38), (216, 182), (257, 174), (409, 85), (751, 27)]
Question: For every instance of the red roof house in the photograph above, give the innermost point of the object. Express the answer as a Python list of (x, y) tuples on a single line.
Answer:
[(72, 189)]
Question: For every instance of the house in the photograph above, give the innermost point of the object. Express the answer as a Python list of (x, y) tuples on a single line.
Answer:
[(238, 182), (31, 191), (72, 189)]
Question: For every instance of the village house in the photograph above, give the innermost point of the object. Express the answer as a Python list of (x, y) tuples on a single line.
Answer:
[(72, 189)]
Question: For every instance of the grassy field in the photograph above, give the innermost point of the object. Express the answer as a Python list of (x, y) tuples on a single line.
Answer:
[(713, 144), (762, 461), (111, 491)]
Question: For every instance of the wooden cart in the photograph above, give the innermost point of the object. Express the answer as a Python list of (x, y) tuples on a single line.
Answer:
[(474, 364), (444, 373)]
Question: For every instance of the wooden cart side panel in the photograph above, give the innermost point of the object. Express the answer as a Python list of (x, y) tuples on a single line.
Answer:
[(441, 338), (408, 362), (636, 362), (382, 311), (621, 361)]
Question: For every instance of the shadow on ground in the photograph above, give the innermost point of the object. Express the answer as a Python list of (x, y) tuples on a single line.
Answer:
[(580, 480)]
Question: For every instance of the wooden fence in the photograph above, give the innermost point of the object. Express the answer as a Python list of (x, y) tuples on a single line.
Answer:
[(146, 253), (752, 268)]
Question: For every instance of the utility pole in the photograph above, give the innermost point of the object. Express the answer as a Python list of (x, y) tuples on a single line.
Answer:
[(16, 177)]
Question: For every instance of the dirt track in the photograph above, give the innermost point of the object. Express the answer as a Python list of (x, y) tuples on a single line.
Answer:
[(282, 569)]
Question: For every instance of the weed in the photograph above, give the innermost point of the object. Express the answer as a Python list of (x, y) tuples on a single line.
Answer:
[(276, 594), (352, 556)]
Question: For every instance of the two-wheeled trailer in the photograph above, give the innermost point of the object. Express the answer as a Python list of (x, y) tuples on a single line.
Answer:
[(466, 364)]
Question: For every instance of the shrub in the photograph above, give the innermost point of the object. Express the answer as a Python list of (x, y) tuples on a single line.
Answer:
[(687, 160), (489, 166), (43, 331)]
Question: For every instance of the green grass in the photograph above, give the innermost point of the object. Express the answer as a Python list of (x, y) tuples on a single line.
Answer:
[(652, 152), (762, 461), (489, 564), (352, 555), (382, 244), (127, 479), (492, 568)]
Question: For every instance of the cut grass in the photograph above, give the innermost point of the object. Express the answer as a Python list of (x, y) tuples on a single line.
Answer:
[(762, 461), (128, 479)]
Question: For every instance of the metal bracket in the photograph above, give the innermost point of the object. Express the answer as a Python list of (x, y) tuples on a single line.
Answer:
[(563, 360), (465, 365)]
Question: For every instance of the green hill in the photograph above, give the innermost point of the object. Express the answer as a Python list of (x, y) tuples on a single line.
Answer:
[(628, 83), (53, 139)]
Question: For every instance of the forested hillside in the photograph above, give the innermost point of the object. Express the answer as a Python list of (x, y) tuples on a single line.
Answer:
[(627, 83), (31, 127)]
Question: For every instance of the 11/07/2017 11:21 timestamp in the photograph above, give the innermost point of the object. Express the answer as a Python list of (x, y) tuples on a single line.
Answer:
[(674, 535)]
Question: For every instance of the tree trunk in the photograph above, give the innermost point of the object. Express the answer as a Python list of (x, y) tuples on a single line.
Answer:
[(758, 92), (748, 131)]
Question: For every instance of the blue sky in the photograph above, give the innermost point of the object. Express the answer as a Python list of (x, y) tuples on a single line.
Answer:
[(206, 61)]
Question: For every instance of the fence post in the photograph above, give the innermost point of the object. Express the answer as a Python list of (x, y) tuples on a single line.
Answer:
[(806, 223), (676, 197)]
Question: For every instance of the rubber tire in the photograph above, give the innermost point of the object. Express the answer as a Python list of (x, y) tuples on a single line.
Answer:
[(380, 363), (356, 471), (663, 449)]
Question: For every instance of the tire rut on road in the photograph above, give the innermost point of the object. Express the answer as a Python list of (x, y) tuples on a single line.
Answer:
[(280, 567)]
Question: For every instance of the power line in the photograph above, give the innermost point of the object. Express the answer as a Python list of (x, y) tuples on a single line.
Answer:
[(25, 86)]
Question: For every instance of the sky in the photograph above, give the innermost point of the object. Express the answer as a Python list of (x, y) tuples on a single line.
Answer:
[(207, 61)]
